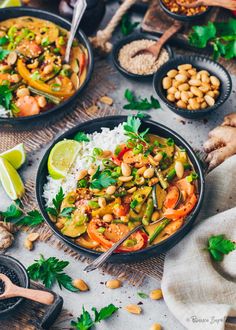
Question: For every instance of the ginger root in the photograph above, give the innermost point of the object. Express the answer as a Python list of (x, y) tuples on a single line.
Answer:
[(6, 237), (222, 142)]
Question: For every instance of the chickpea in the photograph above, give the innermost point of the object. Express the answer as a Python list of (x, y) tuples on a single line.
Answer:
[(107, 217), (22, 92), (42, 102)]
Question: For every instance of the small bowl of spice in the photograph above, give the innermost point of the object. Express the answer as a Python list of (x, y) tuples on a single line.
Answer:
[(192, 86), (142, 66), (17, 273), (174, 9)]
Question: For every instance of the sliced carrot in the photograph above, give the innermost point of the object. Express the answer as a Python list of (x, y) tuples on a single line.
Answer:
[(172, 197), (182, 211), (186, 186)]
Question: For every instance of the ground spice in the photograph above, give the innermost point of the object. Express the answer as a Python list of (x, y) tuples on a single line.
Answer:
[(143, 64), (7, 303)]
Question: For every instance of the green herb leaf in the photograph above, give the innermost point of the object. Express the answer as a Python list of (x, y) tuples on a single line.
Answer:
[(127, 26), (101, 180), (219, 245), (5, 96), (3, 41), (12, 212), (202, 34), (133, 204), (35, 75), (131, 128), (32, 219), (66, 212), (57, 200), (3, 53), (139, 103), (170, 142), (104, 313), (84, 321), (50, 271), (81, 136), (142, 295)]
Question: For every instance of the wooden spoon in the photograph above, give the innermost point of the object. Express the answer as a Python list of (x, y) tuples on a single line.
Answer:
[(229, 4), (155, 49), (12, 290)]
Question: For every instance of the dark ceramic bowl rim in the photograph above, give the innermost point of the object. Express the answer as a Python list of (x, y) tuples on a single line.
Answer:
[(40, 181), (184, 18), (23, 11), (136, 36), (189, 59), (26, 277)]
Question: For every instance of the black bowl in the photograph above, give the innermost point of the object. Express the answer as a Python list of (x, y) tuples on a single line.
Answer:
[(21, 272), (185, 18), (124, 41), (201, 63), (111, 122), (56, 112)]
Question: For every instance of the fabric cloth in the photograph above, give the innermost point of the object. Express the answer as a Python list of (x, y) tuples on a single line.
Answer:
[(199, 292)]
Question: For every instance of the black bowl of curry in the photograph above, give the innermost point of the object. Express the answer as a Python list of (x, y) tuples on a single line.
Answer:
[(36, 85), (154, 175)]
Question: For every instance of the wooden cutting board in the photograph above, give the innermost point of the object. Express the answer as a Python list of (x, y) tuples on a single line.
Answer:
[(32, 315)]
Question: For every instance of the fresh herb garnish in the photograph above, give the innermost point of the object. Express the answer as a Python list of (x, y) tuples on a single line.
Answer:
[(3, 40), (85, 320), (101, 180), (66, 212), (131, 128), (142, 295), (193, 176), (35, 75), (81, 136), (127, 26), (133, 204), (50, 271), (54, 211), (139, 103), (219, 245), (170, 142), (3, 53), (222, 36), (5, 96), (17, 216)]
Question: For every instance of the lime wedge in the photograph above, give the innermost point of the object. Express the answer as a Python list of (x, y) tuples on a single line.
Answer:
[(10, 3), (11, 180), (61, 158), (16, 156)]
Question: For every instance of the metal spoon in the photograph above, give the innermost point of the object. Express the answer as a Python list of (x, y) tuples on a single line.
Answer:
[(12, 290), (156, 48), (229, 4), (78, 12), (106, 255)]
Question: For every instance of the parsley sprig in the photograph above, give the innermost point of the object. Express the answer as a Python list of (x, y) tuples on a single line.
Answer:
[(85, 320), (3, 53), (101, 179), (50, 271), (218, 246), (81, 136), (138, 103), (5, 95), (17, 216), (57, 200), (127, 26), (131, 128), (221, 35)]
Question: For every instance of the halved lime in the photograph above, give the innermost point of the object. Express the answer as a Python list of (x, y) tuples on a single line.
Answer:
[(61, 158), (16, 156), (10, 3), (11, 180)]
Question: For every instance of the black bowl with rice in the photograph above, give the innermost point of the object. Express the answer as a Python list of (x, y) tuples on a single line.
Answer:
[(140, 67)]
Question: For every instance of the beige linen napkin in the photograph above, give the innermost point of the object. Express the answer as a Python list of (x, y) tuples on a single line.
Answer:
[(200, 293)]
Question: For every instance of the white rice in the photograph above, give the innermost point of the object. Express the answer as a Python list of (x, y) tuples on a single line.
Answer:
[(107, 140), (4, 113)]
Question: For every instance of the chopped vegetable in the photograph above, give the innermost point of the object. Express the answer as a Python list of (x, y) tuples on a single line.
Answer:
[(158, 230)]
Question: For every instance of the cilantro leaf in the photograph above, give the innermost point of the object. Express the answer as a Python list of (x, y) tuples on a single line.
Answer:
[(127, 26), (66, 212), (32, 219), (3, 53), (219, 245), (5, 95), (11, 213), (202, 34), (3, 40), (84, 321), (101, 180), (104, 313), (131, 128), (81, 136), (50, 271), (142, 295), (139, 103), (57, 200)]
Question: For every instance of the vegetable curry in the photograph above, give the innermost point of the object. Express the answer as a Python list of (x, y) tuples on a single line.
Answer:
[(33, 78), (145, 179)]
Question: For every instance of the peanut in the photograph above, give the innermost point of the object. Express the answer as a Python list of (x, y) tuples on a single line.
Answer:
[(32, 237), (133, 309), (82, 174), (102, 202), (107, 217), (155, 216), (106, 100), (113, 284), (125, 169), (209, 100), (131, 190), (156, 294), (185, 67), (80, 284), (172, 73), (28, 244), (166, 83), (148, 174), (125, 178), (184, 87), (155, 326), (111, 190), (179, 169)]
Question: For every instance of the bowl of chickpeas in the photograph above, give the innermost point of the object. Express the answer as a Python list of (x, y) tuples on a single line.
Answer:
[(192, 86), (179, 12)]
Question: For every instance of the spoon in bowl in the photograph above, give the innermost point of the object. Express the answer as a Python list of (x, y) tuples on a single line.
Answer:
[(156, 48), (229, 4), (78, 12), (11, 290)]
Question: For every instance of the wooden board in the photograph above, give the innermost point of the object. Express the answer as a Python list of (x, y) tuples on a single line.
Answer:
[(156, 21), (32, 315)]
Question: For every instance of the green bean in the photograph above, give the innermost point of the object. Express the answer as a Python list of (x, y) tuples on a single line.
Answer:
[(148, 212), (158, 230), (161, 178)]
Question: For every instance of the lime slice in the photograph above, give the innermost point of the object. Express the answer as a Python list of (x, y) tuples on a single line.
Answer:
[(11, 180), (16, 156), (10, 3), (61, 158)]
